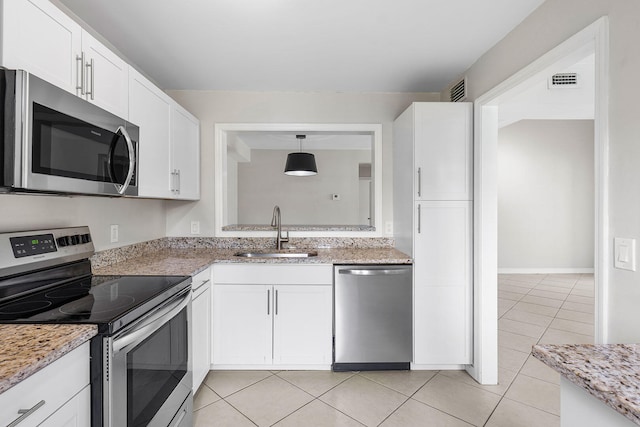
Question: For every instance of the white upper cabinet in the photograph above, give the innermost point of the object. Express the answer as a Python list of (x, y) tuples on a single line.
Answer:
[(150, 109), (443, 151), (41, 39), (169, 143), (185, 154), (106, 77)]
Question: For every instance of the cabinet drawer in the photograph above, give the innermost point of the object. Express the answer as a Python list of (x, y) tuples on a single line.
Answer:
[(275, 274), (54, 384)]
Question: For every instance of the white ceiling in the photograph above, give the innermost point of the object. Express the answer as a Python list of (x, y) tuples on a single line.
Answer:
[(303, 45)]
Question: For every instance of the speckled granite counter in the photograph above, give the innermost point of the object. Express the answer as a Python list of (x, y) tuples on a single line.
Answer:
[(610, 373), (25, 349), (192, 261)]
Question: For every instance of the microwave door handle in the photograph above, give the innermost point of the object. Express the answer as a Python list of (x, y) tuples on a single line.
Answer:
[(132, 160)]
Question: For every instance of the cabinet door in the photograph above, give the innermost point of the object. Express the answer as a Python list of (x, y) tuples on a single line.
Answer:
[(302, 324), (106, 77), (442, 283), (242, 324), (201, 335), (150, 109), (443, 151), (39, 38), (75, 413), (185, 153), (442, 328)]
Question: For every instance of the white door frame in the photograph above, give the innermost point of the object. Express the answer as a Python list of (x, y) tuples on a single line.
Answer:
[(594, 38)]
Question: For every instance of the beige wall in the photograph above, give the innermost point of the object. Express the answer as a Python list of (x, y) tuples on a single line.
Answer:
[(302, 200), (282, 107), (552, 23), (546, 196), (139, 220)]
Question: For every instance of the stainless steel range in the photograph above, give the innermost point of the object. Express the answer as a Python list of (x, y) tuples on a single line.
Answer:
[(140, 366)]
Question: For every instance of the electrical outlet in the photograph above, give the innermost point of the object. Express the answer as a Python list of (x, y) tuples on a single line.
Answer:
[(388, 227), (195, 227), (114, 233)]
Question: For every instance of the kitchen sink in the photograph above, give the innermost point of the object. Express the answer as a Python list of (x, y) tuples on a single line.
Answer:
[(277, 254)]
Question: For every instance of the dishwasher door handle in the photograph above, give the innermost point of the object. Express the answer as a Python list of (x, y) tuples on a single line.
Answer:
[(373, 272)]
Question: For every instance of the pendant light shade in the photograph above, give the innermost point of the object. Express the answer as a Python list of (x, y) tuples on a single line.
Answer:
[(300, 164)]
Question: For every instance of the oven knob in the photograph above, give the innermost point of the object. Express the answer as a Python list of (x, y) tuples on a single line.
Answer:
[(62, 241), (75, 239), (86, 238)]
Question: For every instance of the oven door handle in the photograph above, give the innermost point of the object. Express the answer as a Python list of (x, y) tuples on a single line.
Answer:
[(152, 323)]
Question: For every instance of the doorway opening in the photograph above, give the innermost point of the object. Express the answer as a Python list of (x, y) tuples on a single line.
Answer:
[(590, 41)]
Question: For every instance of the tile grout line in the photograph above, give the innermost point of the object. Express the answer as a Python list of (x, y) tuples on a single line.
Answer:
[(519, 372)]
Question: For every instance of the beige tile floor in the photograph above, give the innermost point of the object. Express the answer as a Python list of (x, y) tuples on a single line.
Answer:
[(531, 309)]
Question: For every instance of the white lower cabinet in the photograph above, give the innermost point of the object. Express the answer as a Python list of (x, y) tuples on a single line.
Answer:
[(75, 413), (201, 327), (58, 395), (442, 292), (302, 324), (272, 315)]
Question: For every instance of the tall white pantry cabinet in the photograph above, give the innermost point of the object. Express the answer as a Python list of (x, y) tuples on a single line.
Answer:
[(433, 188)]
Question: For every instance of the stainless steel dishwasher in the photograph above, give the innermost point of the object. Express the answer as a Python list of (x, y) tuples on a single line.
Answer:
[(372, 317)]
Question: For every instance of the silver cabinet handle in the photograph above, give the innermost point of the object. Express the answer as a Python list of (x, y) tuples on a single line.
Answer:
[(178, 187), (173, 181), (373, 272), (24, 413), (91, 78), (268, 302), (80, 73), (419, 219), (276, 302), (419, 182)]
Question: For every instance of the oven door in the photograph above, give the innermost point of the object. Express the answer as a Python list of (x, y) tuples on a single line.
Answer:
[(72, 146), (147, 378)]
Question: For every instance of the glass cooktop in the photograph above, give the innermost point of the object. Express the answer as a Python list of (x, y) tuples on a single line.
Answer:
[(101, 300)]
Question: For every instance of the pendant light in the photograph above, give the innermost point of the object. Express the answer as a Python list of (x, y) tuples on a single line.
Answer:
[(300, 164)]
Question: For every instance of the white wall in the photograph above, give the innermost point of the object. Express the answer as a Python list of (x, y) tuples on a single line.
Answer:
[(282, 107), (302, 200), (546, 196), (139, 220), (551, 24)]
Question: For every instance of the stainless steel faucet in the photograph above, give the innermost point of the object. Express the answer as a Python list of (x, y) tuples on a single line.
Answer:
[(276, 222)]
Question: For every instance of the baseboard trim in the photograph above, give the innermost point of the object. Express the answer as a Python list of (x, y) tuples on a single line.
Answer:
[(567, 270)]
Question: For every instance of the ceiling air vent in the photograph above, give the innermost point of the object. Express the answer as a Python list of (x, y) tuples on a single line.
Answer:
[(459, 91), (563, 80)]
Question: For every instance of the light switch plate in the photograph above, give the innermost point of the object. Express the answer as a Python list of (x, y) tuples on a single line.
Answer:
[(624, 255)]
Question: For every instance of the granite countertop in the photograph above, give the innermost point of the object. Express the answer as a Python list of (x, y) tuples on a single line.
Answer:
[(192, 261), (25, 349), (609, 372)]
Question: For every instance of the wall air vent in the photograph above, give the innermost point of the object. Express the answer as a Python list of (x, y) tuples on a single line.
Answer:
[(563, 80), (459, 91)]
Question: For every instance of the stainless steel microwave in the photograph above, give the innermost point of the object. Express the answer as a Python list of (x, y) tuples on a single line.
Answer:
[(56, 142)]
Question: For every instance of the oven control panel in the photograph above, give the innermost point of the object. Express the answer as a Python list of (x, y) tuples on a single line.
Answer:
[(32, 245), (29, 250)]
